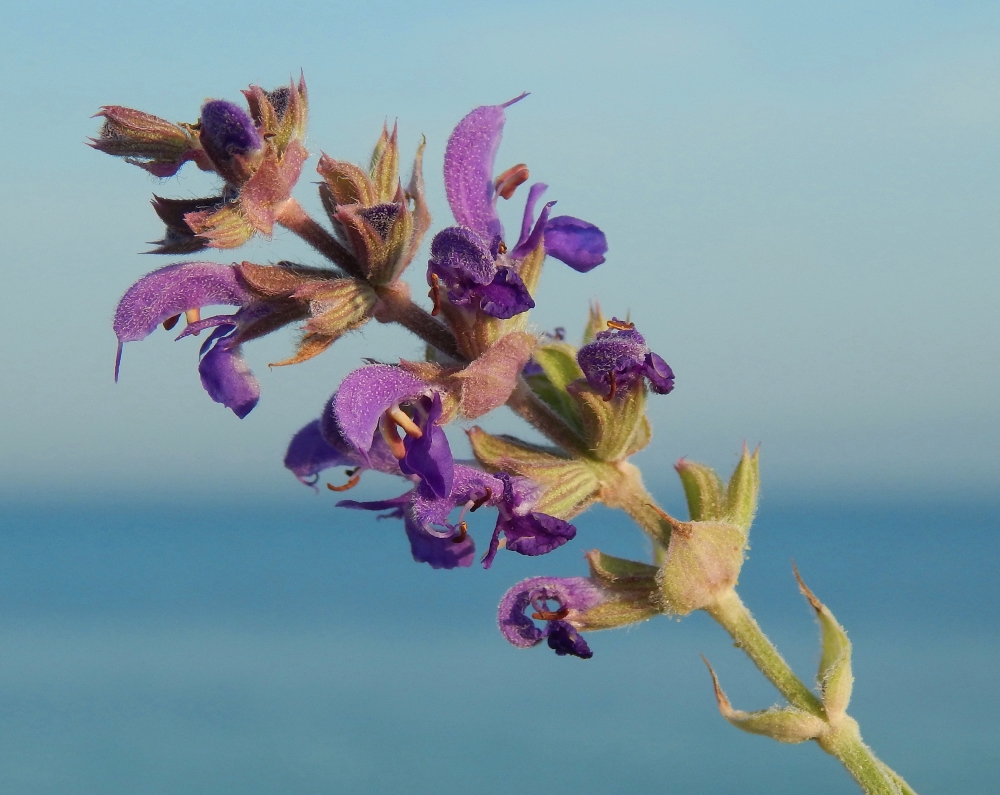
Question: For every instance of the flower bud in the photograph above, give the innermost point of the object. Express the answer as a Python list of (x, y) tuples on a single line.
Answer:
[(557, 362), (230, 139), (154, 144), (613, 429), (703, 561), (784, 724), (709, 501)]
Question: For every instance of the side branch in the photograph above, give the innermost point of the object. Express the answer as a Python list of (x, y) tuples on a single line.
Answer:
[(293, 217)]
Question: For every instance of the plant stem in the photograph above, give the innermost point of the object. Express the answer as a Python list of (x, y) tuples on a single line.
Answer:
[(736, 619), (428, 328), (293, 217), (873, 776)]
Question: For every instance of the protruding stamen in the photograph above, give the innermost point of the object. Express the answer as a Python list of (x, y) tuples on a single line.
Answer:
[(549, 615), (387, 427), (621, 325), (170, 322), (354, 476), (508, 182), (404, 422), (482, 500), (502, 248), (463, 532), (435, 294), (192, 315), (614, 386)]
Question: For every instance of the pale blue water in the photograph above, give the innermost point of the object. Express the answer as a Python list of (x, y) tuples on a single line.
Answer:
[(289, 648)]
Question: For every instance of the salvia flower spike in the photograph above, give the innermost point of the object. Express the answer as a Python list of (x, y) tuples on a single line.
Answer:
[(588, 404)]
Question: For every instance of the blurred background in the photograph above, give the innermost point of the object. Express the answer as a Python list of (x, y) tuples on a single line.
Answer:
[(800, 201)]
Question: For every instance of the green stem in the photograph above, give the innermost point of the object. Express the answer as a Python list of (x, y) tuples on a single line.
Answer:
[(736, 619), (873, 776)]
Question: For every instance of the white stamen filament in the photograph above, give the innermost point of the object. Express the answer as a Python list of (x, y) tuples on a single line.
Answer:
[(404, 422)]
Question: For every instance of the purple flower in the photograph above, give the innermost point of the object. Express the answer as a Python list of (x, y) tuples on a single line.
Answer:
[(166, 293), (472, 193), (525, 531), (468, 267), (619, 358), (554, 600), (371, 399)]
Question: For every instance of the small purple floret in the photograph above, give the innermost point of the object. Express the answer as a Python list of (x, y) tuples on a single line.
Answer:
[(227, 130), (548, 596), (467, 266), (619, 358)]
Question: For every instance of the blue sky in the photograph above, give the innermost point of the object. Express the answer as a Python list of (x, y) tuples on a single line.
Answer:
[(800, 200)]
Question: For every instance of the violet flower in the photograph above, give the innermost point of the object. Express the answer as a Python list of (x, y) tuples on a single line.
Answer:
[(619, 358), (525, 531), (472, 193), (371, 400), (556, 601), (467, 265), (166, 293)]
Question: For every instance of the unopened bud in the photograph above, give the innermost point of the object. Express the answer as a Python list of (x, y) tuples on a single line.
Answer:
[(703, 561)]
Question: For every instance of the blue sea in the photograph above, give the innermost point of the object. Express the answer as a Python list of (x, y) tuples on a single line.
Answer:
[(288, 647)]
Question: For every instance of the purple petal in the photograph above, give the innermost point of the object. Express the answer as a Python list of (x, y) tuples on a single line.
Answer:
[(228, 380), (380, 457), (536, 533), (397, 505), (527, 220), (365, 394), (172, 290), (579, 244), (309, 454), (505, 296), (459, 255), (468, 168), (430, 457), (620, 352), (659, 373), (227, 130), (564, 639), (439, 553)]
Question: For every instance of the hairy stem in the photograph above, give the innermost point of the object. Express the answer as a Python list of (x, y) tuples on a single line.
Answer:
[(423, 324), (873, 776), (628, 493), (736, 619), (293, 217)]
